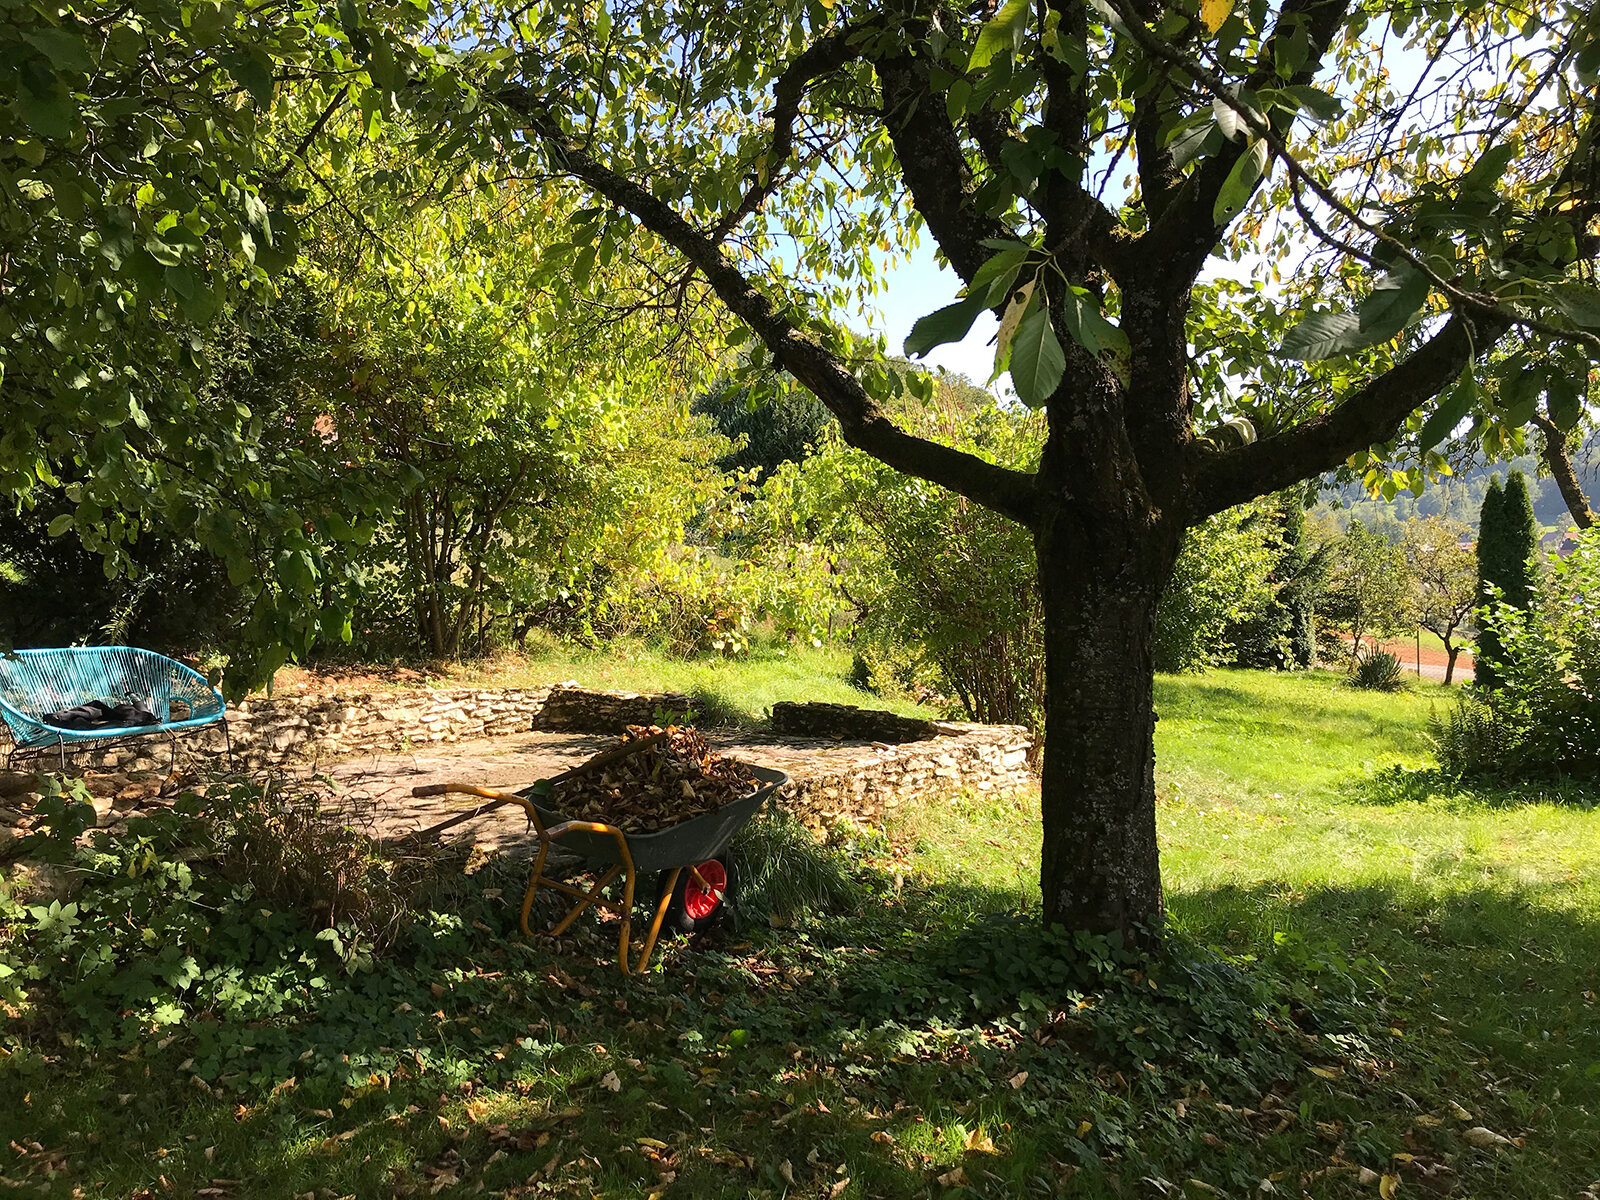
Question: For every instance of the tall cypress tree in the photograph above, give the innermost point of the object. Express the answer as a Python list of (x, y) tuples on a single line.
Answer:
[(1491, 569), (1508, 536), (1521, 531)]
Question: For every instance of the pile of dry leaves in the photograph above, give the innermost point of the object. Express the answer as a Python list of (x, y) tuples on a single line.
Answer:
[(672, 777)]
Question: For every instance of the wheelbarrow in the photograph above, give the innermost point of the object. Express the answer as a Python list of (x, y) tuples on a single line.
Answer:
[(688, 855)]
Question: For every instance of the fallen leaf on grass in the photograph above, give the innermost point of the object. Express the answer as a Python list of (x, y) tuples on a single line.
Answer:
[(838, 1187), (883, 1135), (787, 1171), (1483, 1138), (1428, 1122), (1458, 1112), (1020, 1078), (1328, 1072), (610, 1082), (955, 1178), (979, 1142), (1388, 1186)]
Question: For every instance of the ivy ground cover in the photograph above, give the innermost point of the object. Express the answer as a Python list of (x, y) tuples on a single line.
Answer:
[(1379, 985)]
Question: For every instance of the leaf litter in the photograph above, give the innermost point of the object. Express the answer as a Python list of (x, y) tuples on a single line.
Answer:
[(674, 779)]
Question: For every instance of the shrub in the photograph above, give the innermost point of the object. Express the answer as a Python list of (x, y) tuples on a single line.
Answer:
[(933, 575), (1508, 537), (226, 905), (1541, 716), (1379, 671), (1282, 635), (1476, 739), (291, 854), (1221, 583), (701, 602)]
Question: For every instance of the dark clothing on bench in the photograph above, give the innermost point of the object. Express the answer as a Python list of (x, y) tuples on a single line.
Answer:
[(97, 714)]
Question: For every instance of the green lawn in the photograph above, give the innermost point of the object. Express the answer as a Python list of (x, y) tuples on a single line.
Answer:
[(739, 690), (1391, 966)]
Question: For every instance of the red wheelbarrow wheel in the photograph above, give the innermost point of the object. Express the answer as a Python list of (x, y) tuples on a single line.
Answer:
[(700, 903)]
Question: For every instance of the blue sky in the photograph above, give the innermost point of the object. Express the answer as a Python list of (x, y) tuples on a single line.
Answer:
[(917, 287)]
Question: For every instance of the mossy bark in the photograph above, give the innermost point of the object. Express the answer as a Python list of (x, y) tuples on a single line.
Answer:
[(1101, 581)]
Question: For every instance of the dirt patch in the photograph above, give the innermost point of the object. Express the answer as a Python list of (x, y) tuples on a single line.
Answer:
[(331, 678), (328, 680)]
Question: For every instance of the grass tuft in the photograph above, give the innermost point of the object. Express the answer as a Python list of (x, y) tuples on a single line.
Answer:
[(785, 873)]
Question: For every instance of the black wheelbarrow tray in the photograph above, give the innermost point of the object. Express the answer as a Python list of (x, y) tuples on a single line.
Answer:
[(693, 845)]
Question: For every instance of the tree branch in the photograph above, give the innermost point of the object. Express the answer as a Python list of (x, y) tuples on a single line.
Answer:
[(1559, 463), (1371, 415), (863, 423), (822, 57), (1160, 181), (1187, 230), (299, 152), (934, 165), (1069, 209), (992, 134)]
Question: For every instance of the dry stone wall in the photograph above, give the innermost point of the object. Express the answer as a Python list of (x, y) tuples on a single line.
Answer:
[(291, 730), (830, 785), (569, 709), (815, 719)]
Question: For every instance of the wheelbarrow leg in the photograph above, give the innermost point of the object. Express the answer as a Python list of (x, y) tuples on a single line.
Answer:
[(585, 899), (627, 919), (655, 924), (534, 881)]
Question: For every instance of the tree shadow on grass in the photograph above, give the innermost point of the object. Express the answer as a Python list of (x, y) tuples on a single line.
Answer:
[(1489, 993), (888, 1051), (1396, 785)]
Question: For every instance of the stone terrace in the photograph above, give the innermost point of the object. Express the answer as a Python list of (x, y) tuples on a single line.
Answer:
[(364, 752), (830, 781)]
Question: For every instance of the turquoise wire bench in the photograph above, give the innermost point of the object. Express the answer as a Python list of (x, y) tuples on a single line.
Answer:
[(37, 683)]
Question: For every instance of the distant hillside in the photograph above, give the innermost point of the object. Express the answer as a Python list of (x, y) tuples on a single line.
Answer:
[(1460, 497)]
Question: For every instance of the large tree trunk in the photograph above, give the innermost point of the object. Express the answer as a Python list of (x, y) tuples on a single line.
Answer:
[(1100, 586)]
